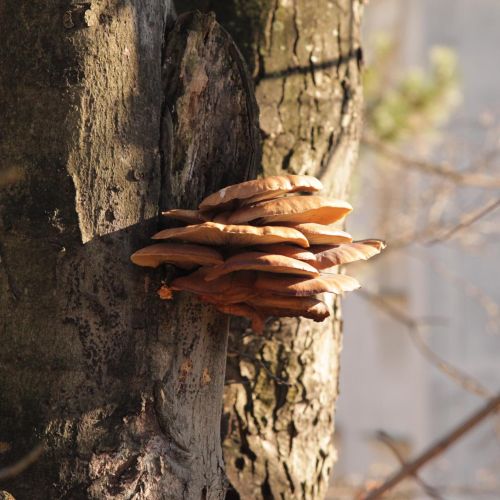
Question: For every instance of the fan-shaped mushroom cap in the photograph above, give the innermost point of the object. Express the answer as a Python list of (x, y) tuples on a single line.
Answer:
[(212, 233), (346, 253), (293, 210), (182, 255), (320, 234), (221, 217), (259, 261), (294, 286), (188, 216), (245, 311), (289, 251), (275, 305), (259, 189), (228, 289)]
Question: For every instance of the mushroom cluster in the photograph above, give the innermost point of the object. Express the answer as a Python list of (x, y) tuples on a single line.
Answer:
[(261, 248)]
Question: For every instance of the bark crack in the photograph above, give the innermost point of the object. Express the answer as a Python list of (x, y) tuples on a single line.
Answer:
[(11, 282)]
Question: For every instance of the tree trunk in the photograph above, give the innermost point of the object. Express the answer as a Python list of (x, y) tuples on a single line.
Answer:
[(279, 405), (124, 391)]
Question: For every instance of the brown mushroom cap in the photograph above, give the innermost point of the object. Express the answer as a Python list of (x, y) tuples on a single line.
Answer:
[(276, 305), (228, 289), (212, 233), (293, 210), (244, 310), (259, 189), (259, 261), (289, 251), (320, 234), (221, 217), (188, 216), (183, 255), (327, 256), (300, 287)]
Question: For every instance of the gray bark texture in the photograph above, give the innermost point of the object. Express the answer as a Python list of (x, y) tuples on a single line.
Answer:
[(305, 58), (124, 390)]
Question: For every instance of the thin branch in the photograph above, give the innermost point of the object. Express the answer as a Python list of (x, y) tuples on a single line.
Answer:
[(16, 469), (486, 302), (437, 232), (461, 378), (432, 492), (436, 449), (439, 169), (468, 221)]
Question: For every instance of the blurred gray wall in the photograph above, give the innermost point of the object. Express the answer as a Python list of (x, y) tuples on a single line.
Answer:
[(386, 384)]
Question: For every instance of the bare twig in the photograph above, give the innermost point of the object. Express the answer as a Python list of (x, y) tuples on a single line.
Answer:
[(437, 232), (442, 170), (436, 449), (461, 378), (486, 302), (466, 222), (432, 492), (16, 469)]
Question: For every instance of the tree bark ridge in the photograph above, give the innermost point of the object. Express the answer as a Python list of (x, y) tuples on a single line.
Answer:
[(125, 391), (305, 58)]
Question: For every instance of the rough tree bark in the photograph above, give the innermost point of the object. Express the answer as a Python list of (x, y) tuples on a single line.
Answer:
[(124, 390), (279, 405)]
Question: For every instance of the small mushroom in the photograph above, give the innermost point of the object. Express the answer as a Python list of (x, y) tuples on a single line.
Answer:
[(300, 287), (182, 255), (289, 251), (276, 305), (246, 311), (258, 190), (259, 261), (292, 210), (187, 216), (228, 289), (320, 234), (327, 256), (213, 233)]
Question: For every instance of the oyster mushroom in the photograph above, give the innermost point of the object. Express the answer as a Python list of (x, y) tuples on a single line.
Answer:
[(292, 210), (289, 251), (246, 311), (182, 255), (227, 289), (300, 287), (327, 256), (221, 217), (276, 245), (187, 216), (213, 233), (276, 305), (320, 234), (260, 261), (258, 190)]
